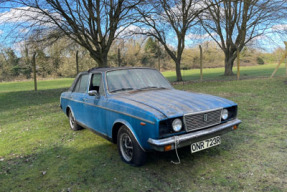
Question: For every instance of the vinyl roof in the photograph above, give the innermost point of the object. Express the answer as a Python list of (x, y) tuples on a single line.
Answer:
[(104, 69)]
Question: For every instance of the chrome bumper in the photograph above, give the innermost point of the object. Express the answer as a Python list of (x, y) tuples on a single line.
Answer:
[(189, 138)]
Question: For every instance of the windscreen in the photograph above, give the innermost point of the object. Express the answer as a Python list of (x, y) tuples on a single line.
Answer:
[(136, 79)]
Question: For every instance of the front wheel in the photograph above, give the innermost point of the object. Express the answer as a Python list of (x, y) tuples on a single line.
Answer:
[(129, 149)]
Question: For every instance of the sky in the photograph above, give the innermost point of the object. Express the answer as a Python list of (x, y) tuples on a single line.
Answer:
[(14, 28)]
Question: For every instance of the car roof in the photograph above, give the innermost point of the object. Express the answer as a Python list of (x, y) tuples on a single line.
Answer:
[(105, 69)]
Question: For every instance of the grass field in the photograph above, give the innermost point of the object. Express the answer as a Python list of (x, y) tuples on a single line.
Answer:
[(216, 73), (38, 151)]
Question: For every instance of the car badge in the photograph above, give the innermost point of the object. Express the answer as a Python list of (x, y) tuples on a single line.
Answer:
[(205, 117)]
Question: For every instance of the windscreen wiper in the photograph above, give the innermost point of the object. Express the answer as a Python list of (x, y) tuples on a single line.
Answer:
[(122, 89), (151, 87)]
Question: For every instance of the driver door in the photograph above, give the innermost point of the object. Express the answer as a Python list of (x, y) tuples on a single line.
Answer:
[(94, 113)]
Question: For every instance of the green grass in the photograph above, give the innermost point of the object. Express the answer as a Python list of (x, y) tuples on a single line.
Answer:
[(41, 85), (35, 138)]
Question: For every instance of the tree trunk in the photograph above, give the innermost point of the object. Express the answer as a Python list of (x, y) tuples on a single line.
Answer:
[(178, 72), (229, 61), (101, 60), (104, 62)]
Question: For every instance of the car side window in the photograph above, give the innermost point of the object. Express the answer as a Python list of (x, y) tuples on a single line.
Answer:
[(96, 83), (77, 86), (82, 84)]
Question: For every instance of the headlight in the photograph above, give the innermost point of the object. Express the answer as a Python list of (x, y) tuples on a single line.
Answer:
[(176, 125), (224, 114)]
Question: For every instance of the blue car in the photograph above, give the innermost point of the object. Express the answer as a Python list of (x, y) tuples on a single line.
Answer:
[(138, 109)]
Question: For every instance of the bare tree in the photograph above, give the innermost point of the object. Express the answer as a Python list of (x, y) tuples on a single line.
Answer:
[(234, 23), (167, 20), (93, 24)]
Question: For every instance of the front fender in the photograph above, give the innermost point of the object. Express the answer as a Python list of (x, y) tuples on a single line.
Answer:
[(130, 127)]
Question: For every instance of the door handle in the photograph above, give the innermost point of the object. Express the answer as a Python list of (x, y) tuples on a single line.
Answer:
[(85, 99)]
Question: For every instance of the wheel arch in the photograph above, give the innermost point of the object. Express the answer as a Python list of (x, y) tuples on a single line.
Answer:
[(68, 109), (116, 127)]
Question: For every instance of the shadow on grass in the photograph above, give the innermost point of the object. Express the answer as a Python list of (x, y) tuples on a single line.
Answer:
[(95, 168)]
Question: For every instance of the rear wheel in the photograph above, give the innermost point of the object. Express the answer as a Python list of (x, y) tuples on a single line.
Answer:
[(73, 124), (129, 149)]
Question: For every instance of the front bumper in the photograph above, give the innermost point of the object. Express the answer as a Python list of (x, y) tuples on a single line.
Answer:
[(189, 138)]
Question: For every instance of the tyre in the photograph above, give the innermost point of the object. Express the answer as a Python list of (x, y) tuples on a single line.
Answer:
[(129, 149), (73, 124)]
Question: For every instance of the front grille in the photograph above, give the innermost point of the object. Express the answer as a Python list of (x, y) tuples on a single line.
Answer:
[(202, 120)]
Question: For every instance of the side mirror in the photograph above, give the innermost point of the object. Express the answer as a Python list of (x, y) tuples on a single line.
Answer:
[(93, 93)]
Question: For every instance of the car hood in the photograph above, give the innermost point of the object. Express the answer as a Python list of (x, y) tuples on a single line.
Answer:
[(174, 103)]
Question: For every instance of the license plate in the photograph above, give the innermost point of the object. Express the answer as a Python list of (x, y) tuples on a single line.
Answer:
[(201, 145)]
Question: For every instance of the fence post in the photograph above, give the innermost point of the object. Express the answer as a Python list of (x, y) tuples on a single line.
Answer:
[(119, 57), (158, 55), (34, 70), (200, 49), (77, 62), (238, 65)]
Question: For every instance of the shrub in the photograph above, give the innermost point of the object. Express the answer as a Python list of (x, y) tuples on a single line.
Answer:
[(260, 61)]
